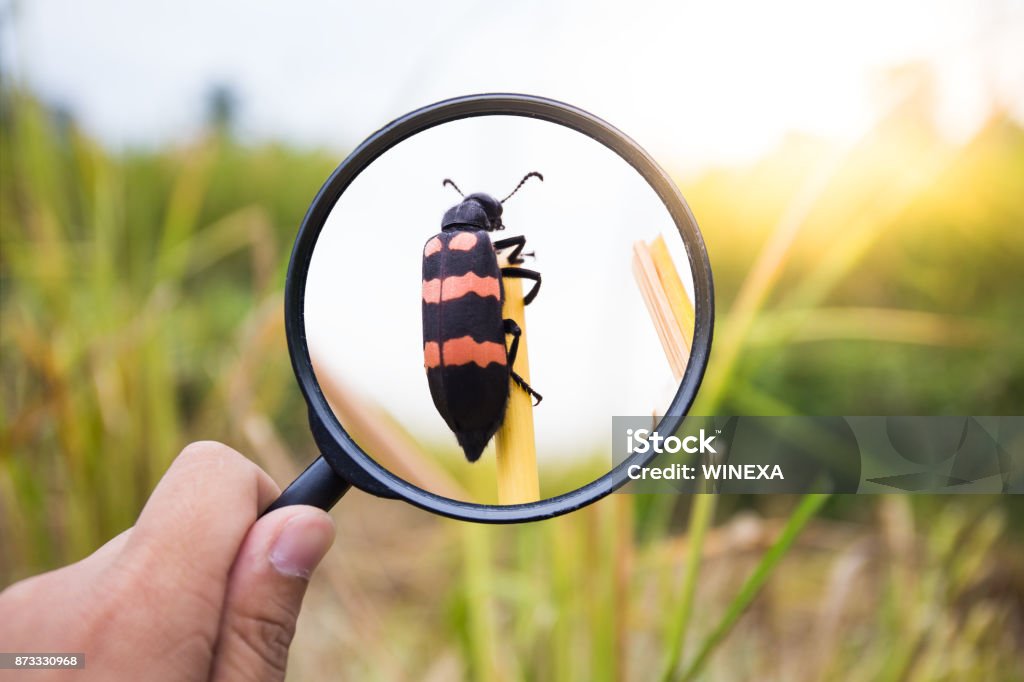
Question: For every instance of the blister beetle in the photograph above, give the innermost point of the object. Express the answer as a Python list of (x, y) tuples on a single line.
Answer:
[(468, 366)]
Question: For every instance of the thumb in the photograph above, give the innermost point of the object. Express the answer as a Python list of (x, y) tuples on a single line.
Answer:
[(265, 590)]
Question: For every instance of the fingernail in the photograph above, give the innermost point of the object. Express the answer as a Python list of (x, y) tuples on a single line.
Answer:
[(301, 544)]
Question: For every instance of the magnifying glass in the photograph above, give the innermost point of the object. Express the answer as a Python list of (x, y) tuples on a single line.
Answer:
[(463, 317)]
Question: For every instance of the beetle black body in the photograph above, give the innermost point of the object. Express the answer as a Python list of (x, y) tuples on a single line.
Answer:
[(468, 367)]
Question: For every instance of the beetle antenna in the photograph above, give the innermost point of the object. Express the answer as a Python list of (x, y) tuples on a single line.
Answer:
[(454, 186), (531, 174)]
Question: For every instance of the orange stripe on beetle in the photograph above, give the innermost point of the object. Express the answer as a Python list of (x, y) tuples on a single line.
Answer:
[(433, 246), (457, 287), (463, 241), (464, 350), (431, 291), (431, 354)]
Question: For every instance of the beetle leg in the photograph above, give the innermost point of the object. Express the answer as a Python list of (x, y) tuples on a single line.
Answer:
[(526, 387), (512, 328), (523, 273), (519, 243)]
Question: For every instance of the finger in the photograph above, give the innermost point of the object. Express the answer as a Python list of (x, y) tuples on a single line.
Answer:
[(202, 509), (183, 545), (265, 592)]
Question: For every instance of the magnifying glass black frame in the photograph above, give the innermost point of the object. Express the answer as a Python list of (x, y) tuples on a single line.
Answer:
[(343, 463)]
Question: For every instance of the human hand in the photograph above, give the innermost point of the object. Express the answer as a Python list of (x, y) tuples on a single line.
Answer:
[(199, 588)]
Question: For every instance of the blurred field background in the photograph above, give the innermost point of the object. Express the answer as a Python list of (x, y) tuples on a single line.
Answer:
[(140, 308)]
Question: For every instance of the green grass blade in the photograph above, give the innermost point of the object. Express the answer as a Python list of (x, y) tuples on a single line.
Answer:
[(805, 511), (701, 516), (482, 635)]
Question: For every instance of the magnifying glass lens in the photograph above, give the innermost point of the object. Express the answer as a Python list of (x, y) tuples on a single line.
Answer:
[(473, 311)]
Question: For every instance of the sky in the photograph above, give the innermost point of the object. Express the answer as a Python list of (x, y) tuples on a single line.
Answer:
[(698, 83)]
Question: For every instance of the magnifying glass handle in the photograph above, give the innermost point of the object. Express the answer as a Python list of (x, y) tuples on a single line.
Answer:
[(317, 486)]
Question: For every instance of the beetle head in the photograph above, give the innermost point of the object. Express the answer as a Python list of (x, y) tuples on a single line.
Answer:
[(480, 211)]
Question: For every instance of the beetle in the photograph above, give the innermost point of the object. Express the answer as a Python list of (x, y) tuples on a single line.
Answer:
[(469, 369)]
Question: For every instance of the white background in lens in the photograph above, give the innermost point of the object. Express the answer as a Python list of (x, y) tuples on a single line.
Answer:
[(593, 350)]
